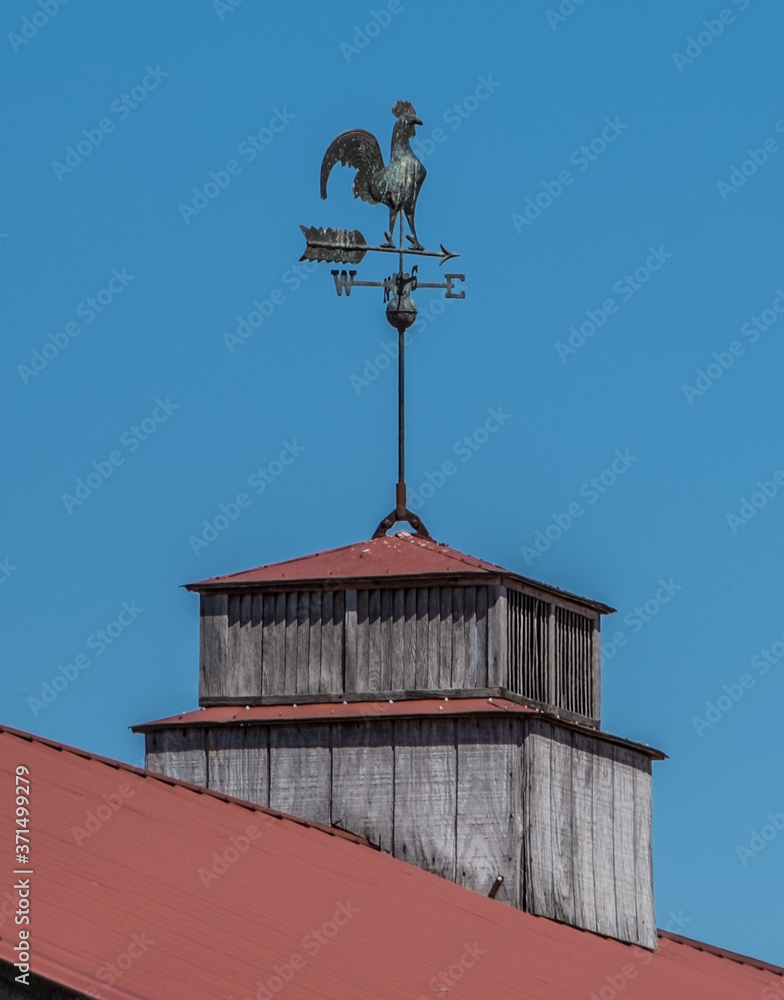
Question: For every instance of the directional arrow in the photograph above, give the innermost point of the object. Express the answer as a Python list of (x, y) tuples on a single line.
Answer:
[(348, 246)]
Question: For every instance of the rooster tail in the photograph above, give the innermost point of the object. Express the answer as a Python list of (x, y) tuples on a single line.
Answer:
[(358, 149)]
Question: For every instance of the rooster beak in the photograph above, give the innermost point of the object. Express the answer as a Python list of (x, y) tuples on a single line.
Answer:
[(415, 121)]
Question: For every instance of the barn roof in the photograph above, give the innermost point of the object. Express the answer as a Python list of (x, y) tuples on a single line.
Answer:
[(179, 893), (400, 556)]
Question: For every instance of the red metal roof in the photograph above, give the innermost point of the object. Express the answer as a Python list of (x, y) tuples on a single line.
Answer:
[(400, 555), (175, 898), (231, 715)]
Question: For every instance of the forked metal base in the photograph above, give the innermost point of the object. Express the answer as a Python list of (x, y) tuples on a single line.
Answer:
[(402, 513)]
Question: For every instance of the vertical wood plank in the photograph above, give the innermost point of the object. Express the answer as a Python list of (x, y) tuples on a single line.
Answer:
[(303, 642), (178, 753), (433, 636), (213, 643), (339, 639), (232, 677), (643, 854), (363, 641), (552, 641), (481, 637), (538, 839), (473, 670), (300, 771), (458, 679), (362, 780), (603, 861), (385, 660), (488, 804), (582, 827), (375, 651), (273, 644), (247, 677), (239, 762), (561, 825), (420, 657), (290, 683), (409, 640), (397, 676), (623, 843), (596, 672), (350, 642), (315, 633), (446, 631), (497, 650), (328, 638), (425, 794)]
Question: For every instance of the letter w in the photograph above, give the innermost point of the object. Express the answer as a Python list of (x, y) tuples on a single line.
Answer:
[(344, 281)]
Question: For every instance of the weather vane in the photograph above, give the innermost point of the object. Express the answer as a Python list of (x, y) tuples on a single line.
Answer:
[(395, 185)]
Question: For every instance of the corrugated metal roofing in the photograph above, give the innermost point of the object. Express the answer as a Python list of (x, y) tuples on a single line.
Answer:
[(231, 715), (400, 555), (172, 895)]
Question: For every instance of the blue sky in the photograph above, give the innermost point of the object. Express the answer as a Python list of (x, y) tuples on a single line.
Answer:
[(611, 177)]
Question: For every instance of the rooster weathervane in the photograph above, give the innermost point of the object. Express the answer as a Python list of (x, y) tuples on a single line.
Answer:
[(396, 185)]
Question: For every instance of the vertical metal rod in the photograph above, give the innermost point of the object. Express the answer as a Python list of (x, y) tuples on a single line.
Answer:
[(401, 501)]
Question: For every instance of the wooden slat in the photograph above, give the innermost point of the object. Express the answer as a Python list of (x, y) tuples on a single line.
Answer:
[(385, 624), (643, 854), (363, 641), (315, 634), (328, 643), (238, 762), (303, 642), (232, 674), (496, 636), (538, 838), (433, 637), (350, 642), (397, 672), (623, 843), (409, 640), (300, 771), (290, 682), (375, 650), (178, 753), (425, 782), (603, 861), (363, 780), (458, 679), (422, 631), (551, 698), (596, 673), (446, 632), (473, 669), (247, 675), (561, 826), (481, 640), (213, 643), (489, 803), (273, 644), (582, 827)]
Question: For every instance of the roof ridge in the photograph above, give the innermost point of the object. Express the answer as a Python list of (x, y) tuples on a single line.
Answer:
[(142, 772), (716, 951)]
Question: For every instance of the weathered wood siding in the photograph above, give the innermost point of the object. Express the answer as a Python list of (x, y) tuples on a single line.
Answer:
[(396, 640), (565, 817)]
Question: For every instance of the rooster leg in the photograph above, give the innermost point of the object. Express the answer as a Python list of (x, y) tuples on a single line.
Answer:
[(415, 244), (393, 214)]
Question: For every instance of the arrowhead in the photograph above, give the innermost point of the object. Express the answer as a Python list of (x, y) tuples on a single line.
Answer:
[(447, 254)]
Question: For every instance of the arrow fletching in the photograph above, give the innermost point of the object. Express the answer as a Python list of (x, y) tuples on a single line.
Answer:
[(337, 246)]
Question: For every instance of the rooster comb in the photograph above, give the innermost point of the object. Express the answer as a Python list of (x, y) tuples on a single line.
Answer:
[(404, 109)]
